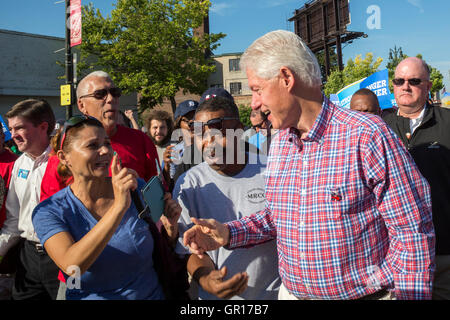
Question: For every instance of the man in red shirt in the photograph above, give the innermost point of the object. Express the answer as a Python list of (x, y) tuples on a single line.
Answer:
[(98, 97)]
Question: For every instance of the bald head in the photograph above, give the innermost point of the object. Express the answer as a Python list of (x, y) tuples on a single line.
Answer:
[(364, 100), (411, 86), (416, 64)]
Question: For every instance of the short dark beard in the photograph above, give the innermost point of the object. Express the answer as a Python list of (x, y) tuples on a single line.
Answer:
[(161, 143)]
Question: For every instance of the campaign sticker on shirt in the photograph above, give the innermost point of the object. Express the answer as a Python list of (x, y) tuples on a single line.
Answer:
[(256, 195), (23, 173)]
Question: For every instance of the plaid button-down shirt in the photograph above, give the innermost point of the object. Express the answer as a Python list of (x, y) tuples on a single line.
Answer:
[(349, 209)]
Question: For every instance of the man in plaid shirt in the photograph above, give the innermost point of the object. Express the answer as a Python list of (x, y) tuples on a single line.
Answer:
[(349, 209)]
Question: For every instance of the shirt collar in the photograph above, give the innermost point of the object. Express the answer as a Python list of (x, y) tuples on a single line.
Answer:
[(43, 157), (322, 121)]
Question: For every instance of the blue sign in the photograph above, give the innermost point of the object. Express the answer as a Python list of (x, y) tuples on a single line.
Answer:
[(5, 129), (378, 83)]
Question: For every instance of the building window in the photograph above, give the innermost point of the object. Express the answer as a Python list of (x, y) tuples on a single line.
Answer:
[(235, 88), (234, 64)]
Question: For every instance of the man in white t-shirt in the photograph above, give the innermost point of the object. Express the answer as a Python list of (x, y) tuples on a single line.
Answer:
[(227, 186)]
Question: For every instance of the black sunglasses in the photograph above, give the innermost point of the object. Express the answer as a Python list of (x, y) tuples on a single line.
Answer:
[(412, 82), (73, 122), (100, 94), (216, 123)]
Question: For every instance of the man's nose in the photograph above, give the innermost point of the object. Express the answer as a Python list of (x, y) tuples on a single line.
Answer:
[(256, 102)]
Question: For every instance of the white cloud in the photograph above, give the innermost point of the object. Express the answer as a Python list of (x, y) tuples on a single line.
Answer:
[(220, 8), (418, 4)]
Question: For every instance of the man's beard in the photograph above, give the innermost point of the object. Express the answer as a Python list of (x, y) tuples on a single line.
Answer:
[(162, 142)]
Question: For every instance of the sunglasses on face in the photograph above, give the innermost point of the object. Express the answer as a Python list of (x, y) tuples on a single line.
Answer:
[(102, 93), (216, 123), (73, 122), (412, 82)]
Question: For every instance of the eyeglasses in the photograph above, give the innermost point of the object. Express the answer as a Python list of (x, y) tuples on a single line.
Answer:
[(412, 82), (73, 122), (216, 123), (101, 94)]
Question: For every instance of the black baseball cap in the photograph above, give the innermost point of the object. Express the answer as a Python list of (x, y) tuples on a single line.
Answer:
[(215, 92)]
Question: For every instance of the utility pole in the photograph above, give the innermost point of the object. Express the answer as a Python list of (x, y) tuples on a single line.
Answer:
[(69, 63)]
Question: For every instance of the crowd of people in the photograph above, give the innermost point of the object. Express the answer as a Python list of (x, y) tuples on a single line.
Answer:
[(312, 202)]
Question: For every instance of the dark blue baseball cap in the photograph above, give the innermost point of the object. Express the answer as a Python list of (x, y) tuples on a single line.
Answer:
[(185, 107), (215, 92)]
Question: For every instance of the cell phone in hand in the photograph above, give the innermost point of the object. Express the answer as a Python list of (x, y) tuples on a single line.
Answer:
[(153, 194)]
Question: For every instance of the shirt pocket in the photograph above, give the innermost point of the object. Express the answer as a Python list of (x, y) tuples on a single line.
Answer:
[(338, 201)]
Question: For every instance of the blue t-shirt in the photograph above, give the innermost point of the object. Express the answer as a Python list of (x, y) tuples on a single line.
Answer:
[(124, 270)]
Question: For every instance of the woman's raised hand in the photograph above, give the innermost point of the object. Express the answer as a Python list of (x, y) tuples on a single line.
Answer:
[(124, 180)]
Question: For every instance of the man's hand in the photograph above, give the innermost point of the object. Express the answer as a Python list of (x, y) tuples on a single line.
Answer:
[(206, 235), (172, 212), (213, 283)]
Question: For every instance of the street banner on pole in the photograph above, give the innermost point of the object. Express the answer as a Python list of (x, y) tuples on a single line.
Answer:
[(75, 22)]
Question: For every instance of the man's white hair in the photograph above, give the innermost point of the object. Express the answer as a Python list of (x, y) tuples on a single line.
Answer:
[(280, 48), (82, 87)]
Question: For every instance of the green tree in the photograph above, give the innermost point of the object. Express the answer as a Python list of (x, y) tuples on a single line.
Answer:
[(352, 72), (396, 55), (150, 47), (321, 60), (244, 115)]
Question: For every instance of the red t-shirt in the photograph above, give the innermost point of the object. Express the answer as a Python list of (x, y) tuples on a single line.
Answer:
[(52, 182), (136, 151), (7, 159)]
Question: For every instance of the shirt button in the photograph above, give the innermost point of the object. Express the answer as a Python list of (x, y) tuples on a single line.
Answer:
[(303, 192), (302, 223), (302, 255)]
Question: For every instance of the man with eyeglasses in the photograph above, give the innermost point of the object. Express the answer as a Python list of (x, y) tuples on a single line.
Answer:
[(229, 184), (424, 129), (98, 97)]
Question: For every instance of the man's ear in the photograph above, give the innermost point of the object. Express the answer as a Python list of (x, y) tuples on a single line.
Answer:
[(43, 126), (287, 77), (81, 106)]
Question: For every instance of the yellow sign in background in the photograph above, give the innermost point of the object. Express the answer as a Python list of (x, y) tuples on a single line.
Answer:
[(65, 95)]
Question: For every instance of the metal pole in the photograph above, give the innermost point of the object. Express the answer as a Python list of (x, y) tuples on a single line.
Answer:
[(69, 64), (338, 36)]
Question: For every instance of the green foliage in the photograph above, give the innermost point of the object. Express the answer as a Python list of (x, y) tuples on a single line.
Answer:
[(150, 47), (244, 115), (437, 79), (396, 55), (353, 71), (321, 60)]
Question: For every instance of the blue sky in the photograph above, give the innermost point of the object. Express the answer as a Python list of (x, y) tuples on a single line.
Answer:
[(417, 26)]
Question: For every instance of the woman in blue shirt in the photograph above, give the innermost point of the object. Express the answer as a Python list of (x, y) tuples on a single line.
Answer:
[(91, 228)]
